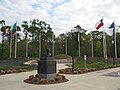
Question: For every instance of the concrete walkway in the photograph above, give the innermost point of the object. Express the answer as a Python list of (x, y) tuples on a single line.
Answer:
[(99, 80)]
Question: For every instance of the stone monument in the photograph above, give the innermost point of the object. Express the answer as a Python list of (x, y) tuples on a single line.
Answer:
[(46, 66)]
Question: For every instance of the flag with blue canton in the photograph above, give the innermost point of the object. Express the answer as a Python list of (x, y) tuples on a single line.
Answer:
[(112, 26)]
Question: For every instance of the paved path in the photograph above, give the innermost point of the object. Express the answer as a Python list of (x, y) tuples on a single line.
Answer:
[(89, 81)]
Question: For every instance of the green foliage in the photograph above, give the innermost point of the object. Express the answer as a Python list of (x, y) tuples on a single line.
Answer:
[(15, 64), (62, 56), (91, 63)]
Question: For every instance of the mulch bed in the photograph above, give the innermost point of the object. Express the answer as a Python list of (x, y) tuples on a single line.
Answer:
[(83, 70), (10, 71), (33, 79), (76, 71)]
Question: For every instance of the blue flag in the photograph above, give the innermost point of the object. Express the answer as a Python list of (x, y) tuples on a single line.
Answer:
[(112, 26)]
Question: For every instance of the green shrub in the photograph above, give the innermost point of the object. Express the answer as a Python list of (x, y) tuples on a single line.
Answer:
[(62, 56), (15, 64)]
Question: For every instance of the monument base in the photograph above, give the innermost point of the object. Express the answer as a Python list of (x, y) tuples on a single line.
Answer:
[(46, 68), (47, 76)]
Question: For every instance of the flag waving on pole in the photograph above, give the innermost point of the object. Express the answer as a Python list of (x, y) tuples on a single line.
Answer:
[(15, 35), (6, 30), (99, 24), (14, 29), (112, 26)]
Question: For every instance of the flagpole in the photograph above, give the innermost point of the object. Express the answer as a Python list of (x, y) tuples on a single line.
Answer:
[(105, 49), (103, 42), (114, 51), (92, 44), (11, 44), (104, 54), (115, 45), (2, 46), (79, 42), (15, 27), (15, 44), (53, 44), (26, 44), (66, 43), (113, 42), (104, 45), (39, 43)]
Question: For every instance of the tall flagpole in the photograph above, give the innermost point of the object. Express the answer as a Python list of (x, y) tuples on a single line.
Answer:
[(79, 42), (15, 28), (103, 42), (39, 43), (10, 43), (2, 45), (26, 37), (104, 45), (53, 45), (115, 45), (114, 51), (66, 43), (92, 43), (105, 48), (16, 44), (113, 42)]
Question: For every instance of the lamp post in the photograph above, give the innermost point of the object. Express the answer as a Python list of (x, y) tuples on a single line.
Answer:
[(113, 52)]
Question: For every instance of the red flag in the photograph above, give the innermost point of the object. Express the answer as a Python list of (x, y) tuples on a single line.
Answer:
[(99, 24), (6, 31)]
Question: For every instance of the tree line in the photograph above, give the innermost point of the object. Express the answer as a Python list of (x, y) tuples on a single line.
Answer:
[(36, 30)]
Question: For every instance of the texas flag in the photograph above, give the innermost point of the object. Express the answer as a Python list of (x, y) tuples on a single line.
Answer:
[(99, 24)]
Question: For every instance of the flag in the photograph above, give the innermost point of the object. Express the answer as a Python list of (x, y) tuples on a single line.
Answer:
[(112, 26), (6, 30), (99, 24), (15, 26), (14, 29)]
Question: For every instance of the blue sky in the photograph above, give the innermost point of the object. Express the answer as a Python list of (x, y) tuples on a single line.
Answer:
[(62, 14)]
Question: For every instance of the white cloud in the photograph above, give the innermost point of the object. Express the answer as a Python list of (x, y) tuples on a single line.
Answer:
[(61, 14)]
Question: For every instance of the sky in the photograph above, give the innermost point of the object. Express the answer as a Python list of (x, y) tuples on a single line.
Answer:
[(62, 15)]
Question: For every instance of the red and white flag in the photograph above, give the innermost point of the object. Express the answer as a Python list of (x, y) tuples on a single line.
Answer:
[(99, 24), (6, 31)]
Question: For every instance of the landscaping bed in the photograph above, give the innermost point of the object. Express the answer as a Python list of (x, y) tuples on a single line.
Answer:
[(33, 79), (14, 66), (92, 64), (84, 70)]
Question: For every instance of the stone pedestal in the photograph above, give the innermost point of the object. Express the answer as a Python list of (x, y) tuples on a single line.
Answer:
[(46, 68)]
